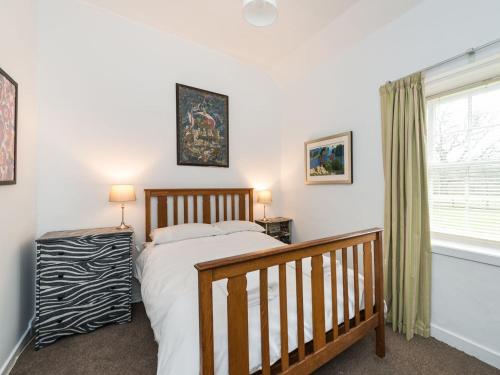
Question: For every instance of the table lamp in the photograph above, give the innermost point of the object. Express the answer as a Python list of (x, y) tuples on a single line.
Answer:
[(122, 194), (264, 197)]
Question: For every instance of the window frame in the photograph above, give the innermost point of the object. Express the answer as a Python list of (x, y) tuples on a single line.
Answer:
[(456, 86)]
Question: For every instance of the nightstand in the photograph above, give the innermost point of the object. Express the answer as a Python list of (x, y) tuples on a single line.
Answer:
[(83, 281), (278, 227)]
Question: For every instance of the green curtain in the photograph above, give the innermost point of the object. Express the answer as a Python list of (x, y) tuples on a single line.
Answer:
[(407, 248)]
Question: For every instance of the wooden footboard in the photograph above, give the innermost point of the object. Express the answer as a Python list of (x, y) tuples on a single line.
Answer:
[(325, 345)]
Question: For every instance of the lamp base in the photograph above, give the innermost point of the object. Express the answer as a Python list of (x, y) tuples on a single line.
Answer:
[(265, 219), (123, 226)]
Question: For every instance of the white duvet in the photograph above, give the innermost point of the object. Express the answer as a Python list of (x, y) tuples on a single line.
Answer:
[(169, 286)]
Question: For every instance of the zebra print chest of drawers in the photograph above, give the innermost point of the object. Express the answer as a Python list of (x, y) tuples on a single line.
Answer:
[(83, 281)]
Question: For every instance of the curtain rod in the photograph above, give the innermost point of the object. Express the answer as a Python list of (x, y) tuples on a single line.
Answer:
[(469, 52)]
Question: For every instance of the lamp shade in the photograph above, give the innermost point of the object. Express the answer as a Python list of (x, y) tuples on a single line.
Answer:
[(260, 12), (122, 193), (264, 196)]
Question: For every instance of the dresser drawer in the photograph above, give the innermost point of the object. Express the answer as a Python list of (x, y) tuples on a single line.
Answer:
[(80, 297), (64, 273), (66, 319), (84, 249)]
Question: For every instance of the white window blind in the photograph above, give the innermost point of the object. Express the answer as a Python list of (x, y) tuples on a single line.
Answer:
[(464, 163)]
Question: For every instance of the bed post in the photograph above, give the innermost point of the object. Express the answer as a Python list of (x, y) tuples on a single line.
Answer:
[(250, 204), (379, 296), (147, 202), (205, 306)]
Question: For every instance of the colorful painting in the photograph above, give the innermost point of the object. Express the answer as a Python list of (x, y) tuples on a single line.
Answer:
[(8, 123), (329, 160), (202, 127)]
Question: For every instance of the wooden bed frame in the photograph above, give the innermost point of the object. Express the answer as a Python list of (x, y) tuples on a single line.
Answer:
[(233, 204)]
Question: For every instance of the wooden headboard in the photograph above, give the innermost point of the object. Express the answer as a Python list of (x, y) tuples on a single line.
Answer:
[(179, 206)]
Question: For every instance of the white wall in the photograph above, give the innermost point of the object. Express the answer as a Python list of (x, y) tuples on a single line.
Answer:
[(107, 115), (331, 86), (17, 202), (465, 303)]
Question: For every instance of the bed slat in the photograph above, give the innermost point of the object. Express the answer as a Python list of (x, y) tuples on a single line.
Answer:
[(207, 217), (356, 284), (217, 208), (195, 208), (345, 289), (186, 212), (264, 323), (367, 266), (318, 302), (283, 318), (225, 207), (333, 277), (250, 205), (162, 212), (176, 211), (300, 309), (233, 208), (241, 209), (237, 317)]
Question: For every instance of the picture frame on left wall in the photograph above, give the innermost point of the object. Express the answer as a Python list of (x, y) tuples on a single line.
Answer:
[(8, 129)]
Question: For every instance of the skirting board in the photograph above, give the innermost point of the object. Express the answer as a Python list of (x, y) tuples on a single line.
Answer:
[(18, 349), (470, 347)]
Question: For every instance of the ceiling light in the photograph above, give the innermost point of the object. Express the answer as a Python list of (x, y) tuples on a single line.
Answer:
[(260, 12)]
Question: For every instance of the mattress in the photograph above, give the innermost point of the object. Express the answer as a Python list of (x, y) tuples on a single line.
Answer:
[(169, 286)]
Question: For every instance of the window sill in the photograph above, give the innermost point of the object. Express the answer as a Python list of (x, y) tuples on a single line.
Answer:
[(474, 253)]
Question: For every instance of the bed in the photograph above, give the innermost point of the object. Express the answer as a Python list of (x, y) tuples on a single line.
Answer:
[(244, 302)]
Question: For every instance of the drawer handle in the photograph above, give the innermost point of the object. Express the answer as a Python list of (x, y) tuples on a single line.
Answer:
[(60, 276)]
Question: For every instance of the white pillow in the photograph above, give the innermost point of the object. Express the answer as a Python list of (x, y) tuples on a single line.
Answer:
[(183, 232), (233, 226)]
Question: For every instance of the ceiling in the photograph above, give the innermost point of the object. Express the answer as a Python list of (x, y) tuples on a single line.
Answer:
[(219, 24)]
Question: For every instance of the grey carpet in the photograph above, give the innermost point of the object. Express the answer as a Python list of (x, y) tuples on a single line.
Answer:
[(131, 349)]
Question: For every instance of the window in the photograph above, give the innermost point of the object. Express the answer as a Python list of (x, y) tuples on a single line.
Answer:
[(464, 163)]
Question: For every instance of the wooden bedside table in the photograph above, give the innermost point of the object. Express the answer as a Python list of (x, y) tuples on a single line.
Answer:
[(83, 281), (278, 227)]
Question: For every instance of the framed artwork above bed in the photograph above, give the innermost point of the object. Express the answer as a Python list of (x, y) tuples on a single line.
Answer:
[(328, 160), (202, 127), (8, 129)]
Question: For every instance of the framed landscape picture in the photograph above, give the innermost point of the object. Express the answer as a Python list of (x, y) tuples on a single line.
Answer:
[(329, 160), (202, 127), (8, 129)]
